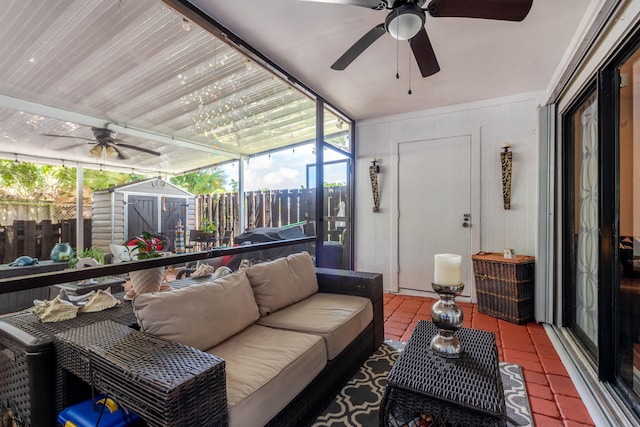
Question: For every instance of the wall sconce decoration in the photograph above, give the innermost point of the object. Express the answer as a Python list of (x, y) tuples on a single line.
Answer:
[(506, 158), (374, 170)]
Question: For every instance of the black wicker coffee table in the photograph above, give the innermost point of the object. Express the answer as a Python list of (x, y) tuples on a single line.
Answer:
[(466, 391)]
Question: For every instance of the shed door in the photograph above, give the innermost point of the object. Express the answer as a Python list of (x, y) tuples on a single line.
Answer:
[(171, 211), (157, 215), (142, 215)]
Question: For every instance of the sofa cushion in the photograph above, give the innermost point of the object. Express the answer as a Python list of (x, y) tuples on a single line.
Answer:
[(338, 319), (282, 282), (265, 369), (201, 315)]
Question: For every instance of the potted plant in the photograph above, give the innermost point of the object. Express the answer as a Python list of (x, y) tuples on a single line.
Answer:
[(208, 226), (146, 246), (94, 253)]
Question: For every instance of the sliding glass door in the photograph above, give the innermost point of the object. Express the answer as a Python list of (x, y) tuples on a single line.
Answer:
[(601, 223), (629, 214), (582, 222)]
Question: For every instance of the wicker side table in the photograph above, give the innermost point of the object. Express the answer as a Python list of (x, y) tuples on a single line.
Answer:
[(505, 287), (166, 383), (465, 391)]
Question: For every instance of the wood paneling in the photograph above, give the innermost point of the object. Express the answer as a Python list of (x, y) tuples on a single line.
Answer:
[(513, 120)]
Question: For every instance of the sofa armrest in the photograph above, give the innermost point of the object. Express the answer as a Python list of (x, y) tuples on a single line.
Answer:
[(357, 283)]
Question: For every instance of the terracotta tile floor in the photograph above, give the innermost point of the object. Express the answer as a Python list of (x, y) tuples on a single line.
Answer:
[(553, 397)]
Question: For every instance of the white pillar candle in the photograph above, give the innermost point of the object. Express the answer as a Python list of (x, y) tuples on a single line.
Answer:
[(448, 269)]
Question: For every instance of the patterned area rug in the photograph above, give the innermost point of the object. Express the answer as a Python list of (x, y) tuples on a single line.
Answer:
[(358, 402)]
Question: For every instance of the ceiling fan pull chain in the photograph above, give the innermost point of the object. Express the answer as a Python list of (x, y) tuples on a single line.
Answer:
[(397, 62), (397, 53), (410, 92)]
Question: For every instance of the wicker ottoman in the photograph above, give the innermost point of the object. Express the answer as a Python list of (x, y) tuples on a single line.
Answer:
[(27, 376), (29, 383), (460, 392), (28, 362), (146, 374)]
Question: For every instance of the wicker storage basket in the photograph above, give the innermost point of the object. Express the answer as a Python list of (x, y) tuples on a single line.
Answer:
[(505, 286)]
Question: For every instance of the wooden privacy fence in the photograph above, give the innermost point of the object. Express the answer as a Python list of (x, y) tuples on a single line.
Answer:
[(275, 208), (36, 239)]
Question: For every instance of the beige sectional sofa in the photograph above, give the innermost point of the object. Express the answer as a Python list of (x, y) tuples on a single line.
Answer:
[(290, 334)]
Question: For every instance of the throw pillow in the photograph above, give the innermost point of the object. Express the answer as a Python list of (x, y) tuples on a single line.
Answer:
[(201, 315), (276, 285), (303, 272)]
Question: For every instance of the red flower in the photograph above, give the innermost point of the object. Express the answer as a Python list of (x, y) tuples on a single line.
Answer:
[(148, 246)]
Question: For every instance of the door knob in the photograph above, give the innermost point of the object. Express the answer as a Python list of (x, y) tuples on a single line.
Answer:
[(467, 221)]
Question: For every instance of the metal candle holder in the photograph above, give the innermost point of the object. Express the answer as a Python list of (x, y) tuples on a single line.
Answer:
[(447, 316)]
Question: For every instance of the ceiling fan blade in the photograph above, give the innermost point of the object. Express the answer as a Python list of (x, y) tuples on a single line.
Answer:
[(423, 51), (67, 136), (144, 150), (371, 4), (358, 47), (504, 10)]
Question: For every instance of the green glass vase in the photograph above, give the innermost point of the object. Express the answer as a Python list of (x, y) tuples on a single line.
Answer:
[(61, 252)]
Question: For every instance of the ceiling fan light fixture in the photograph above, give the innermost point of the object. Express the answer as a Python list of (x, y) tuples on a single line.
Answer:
[(405, 22), (96, 150), (111, 152)]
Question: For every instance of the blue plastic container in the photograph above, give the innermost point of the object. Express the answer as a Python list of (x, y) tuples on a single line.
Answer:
[(86, 414)]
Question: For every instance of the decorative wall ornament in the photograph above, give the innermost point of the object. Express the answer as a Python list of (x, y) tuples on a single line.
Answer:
[(374, 170), (506, 157)]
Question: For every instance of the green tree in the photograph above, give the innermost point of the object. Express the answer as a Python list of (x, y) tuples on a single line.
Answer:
[(30, 181), (24, 180), (99, 180), (207, 181), (19, 178)]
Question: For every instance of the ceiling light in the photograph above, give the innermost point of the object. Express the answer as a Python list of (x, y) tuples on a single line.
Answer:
[(111, 152), (96, 150), (186, 25), (405, 22)]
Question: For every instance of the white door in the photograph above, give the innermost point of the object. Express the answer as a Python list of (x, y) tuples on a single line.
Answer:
[(435, 208)]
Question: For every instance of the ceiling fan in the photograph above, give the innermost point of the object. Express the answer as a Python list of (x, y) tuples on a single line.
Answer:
[(406, 20), (105, 143)]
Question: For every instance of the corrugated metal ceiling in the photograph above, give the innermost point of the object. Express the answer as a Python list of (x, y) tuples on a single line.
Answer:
[(67, 65)]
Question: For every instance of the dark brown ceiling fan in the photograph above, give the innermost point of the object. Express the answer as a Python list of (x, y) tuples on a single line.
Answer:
[(106, 143), (406, 20)]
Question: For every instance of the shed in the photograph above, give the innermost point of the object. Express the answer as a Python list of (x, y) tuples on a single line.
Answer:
[(124, 211)]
